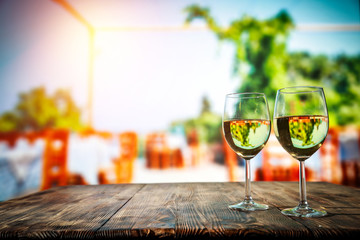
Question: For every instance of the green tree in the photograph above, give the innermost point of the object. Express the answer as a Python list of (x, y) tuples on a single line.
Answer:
[(206, 106), (260, 48), (263, 63), (207, 124), (36, 111), (339, 76)]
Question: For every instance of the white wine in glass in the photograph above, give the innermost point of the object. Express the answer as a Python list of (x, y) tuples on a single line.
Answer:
[(246, 127), (301, 124)]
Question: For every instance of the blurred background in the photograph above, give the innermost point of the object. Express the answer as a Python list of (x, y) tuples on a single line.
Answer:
[(132, 91)]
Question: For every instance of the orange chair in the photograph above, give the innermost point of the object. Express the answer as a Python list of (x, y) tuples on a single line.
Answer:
[(330, 158), (194, 146), (177, 158), (124, 165), (55, 171), (159, 155), (128, 145), (149, 145), (277, 164), (231, 162), (155, 146), (165, 158)]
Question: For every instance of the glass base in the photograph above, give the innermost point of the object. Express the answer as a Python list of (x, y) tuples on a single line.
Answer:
[(305, 211), (248, 206)]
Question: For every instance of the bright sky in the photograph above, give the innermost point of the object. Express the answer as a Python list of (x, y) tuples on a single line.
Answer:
[(144, 80)]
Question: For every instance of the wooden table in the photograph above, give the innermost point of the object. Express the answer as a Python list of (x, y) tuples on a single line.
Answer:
[(178, 210)]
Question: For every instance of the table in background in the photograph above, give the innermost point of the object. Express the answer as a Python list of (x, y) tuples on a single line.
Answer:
[(21, 164), (178, 210)]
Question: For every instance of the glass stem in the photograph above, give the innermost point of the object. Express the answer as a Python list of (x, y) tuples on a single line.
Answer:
[(302, 185), (248, 181)]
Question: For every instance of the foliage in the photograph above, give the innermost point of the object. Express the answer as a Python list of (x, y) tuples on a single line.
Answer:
[(207, 125), (260, 48), (36, 111), (340, 78), (263, 64)]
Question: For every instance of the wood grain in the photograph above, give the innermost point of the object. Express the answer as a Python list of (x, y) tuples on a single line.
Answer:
[(341, 203), (179, 210), (74, 212), (150, 213)]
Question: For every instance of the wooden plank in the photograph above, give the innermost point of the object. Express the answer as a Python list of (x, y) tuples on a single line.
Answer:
[(341, 203), (330, 195), (276, 194), (74, 212), (333, 226), (178, 210), (150, 213), (204, 212), (194, 216), (319, 194)]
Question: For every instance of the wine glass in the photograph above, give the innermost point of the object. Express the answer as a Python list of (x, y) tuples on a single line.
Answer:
[(301, 125), (246, 127)]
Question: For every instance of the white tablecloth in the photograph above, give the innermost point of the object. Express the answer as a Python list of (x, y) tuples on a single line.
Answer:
[(21, 166)]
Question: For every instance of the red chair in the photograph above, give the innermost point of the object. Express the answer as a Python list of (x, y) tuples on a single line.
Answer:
[(55, 163), (330, 157), (155, 147), (230, 162), (177, 158), (123, 166), (55, 170)]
